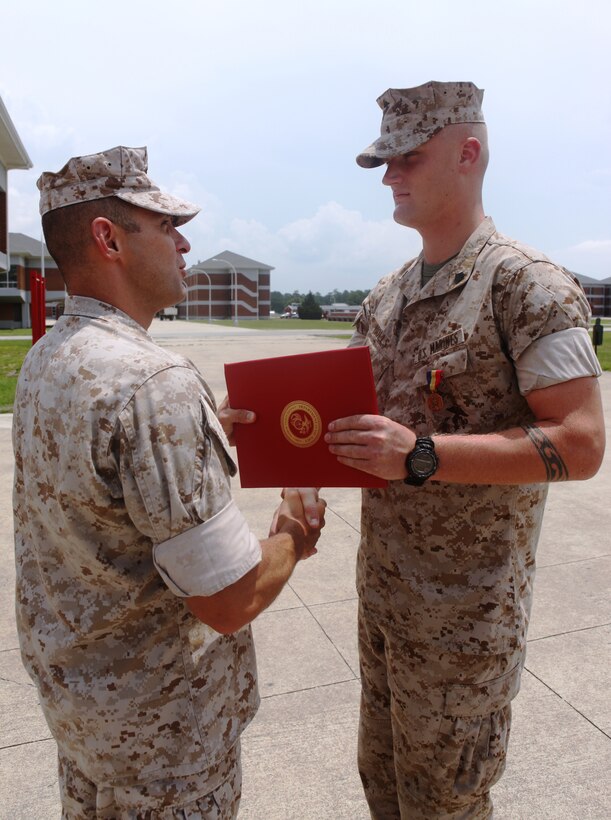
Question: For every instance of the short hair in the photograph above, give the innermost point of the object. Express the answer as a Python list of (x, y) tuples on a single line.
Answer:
[(66, 230)]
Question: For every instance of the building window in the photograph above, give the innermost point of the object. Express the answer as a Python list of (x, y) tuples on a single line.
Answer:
[(8, 279)]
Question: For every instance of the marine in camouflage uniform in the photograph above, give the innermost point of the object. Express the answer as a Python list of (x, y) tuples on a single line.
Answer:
[(446, 567), (123, 516)]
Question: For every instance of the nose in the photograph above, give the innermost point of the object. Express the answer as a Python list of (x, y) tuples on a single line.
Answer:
[(392, 171), (182, 243)]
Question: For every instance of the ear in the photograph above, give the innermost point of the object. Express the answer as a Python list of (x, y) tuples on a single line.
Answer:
[(470, 152), (104, 234)]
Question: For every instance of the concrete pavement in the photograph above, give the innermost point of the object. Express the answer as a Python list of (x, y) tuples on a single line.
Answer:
[(299, 753)]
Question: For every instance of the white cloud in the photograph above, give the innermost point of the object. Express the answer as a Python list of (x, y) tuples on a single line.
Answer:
[(593, 246), (335, 248), (591, 257)]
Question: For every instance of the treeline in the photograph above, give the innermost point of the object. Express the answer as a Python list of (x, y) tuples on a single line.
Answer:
[(351, 297)]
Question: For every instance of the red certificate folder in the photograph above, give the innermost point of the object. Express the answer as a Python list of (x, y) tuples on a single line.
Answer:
[(295, 398)]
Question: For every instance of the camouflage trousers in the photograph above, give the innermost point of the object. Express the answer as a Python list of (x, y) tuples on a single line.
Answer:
[(434, 727), (171, 798)]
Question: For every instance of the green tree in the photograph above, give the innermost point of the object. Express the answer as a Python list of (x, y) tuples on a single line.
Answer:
[(309, 309), (277, 301), (351, 297)]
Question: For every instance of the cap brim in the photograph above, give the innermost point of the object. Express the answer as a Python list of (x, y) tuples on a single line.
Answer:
[(369, 159), (378, 153), (159, 202)]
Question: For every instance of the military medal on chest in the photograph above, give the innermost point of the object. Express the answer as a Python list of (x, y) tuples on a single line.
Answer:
[(434, 400)]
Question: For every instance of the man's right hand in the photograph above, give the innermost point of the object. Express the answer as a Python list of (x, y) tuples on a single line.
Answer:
[(301, 514), (292, 539)]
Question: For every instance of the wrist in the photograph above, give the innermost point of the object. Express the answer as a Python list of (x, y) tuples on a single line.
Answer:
[(294, 530), (421, 462)]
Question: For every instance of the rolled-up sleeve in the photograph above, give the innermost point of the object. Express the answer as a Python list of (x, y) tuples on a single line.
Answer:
[(209, 557), (557, 358)]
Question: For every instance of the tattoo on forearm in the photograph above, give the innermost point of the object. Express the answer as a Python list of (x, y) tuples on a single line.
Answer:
[(555, 467)]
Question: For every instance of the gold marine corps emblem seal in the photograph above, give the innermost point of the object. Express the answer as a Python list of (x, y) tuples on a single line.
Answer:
[(301, 424)]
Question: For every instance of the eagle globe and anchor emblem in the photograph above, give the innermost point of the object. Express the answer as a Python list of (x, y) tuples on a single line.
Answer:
[(301, 424)]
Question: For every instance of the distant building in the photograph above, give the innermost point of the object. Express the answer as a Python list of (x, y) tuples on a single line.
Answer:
[(227, 286), (29, 255), (598, 293), (340, 312), (12, 156)]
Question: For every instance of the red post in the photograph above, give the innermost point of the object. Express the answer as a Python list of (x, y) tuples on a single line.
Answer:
[(37, 305), (42, 304)]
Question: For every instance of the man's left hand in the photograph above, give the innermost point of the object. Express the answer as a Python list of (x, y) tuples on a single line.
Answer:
[(229, 416), (373, 444)]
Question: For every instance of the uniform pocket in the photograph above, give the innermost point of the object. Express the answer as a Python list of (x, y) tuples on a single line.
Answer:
[(462, 399), (474, 733), (452, 364)]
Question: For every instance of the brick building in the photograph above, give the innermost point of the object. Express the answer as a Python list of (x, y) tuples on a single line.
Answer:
[(227, 286), (598, 294), (28, 256)]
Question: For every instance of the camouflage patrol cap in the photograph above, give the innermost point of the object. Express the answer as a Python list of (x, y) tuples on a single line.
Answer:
[(119, 172), (411, 116)]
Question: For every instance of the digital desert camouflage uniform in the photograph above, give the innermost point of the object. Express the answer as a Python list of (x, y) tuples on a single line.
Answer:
[(445, 571), (143, 699)]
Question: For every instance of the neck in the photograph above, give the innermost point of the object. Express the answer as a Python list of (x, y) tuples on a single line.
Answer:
[(105, 286), (441, 243)]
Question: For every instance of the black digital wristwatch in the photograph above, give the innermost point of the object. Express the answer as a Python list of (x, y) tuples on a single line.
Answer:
[(421, 462)]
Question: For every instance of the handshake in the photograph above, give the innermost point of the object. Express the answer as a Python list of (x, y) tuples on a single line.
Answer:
[(302, 516)]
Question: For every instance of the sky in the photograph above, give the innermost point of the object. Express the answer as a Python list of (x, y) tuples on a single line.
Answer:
[(256, 109)]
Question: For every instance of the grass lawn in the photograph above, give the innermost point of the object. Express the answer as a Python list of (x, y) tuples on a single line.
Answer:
[(604, 353), (12, 354), (18, 331)]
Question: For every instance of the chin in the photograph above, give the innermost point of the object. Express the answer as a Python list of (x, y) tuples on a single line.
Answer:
[(179, 295), (402, 219)]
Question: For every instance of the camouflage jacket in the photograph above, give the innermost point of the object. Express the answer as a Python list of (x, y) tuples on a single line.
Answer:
[(117, 448), (452, 565)]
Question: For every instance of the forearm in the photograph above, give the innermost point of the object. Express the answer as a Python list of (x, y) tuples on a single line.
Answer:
[(565, 442), (533, 454), (239, 604), (280, 555), (569, 446)]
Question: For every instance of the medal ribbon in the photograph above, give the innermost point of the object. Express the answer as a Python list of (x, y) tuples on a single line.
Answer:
[(433, 379)]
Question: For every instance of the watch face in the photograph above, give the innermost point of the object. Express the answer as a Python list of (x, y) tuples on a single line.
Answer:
[(422, 464)]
